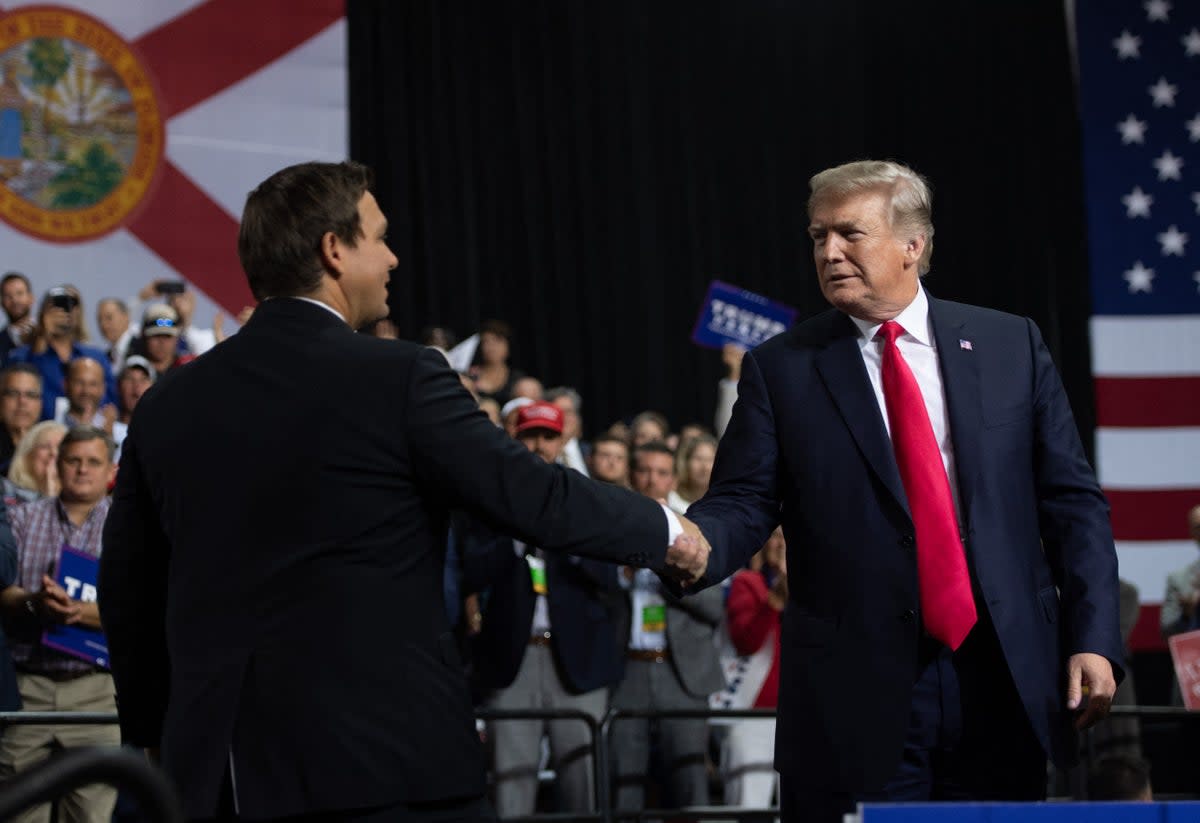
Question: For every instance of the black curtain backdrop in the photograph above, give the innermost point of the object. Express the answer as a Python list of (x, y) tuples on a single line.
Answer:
[(583, 169)]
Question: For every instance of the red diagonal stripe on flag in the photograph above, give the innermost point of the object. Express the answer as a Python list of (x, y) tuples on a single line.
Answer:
[(195, 236), (192, 57), (1147, 401), (1151, 514), (199, 53)]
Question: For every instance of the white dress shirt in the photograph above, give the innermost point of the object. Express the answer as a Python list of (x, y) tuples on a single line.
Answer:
[(919, 350)]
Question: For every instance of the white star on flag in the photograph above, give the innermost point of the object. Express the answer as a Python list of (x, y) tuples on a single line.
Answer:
[(1172, 241), (1196, 277), (1191, 43), (1169, 166), (1139, 278), (1193, 127), (1132, 130), (1196, 200), (1157, 10), (1128, 46), (1137, 203), (1163, 93)]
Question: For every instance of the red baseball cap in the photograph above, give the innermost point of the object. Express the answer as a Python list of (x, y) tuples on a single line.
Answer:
[(540, 415)]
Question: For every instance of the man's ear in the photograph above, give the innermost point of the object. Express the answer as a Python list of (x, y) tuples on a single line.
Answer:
[(914, 248), (331, 254)]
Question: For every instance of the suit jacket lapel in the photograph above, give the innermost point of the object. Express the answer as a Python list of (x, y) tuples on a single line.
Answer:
[(841, 367), (960, 379)]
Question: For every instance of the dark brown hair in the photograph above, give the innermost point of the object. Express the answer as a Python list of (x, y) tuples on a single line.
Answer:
[(286, 216)]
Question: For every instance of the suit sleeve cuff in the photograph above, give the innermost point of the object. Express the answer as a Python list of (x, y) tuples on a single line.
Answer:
[(674, 527)]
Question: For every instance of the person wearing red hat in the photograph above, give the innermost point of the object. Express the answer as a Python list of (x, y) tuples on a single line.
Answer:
[(547, 641)]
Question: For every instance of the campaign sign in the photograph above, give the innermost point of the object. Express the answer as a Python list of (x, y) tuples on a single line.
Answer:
[(1185, 653), (77, 575), (733, 315)]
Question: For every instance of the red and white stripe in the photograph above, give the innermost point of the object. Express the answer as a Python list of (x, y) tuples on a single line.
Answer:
[(1147, 379), (246, 87)]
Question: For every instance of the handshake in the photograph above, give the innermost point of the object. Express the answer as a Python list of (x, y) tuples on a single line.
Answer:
[(687, 557)]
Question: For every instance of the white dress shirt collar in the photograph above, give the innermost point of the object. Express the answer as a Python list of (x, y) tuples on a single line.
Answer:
[(914, 320), (325, 306)]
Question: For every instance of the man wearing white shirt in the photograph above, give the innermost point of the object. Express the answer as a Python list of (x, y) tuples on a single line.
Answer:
[(671, 663), (952, 614)]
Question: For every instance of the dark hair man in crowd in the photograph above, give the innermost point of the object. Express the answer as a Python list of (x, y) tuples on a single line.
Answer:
[(215, 609), (953, 581), (671, 663), (16, 298), (20, 407), (653, 469), (50, 680), (610, 460), (547, 640), (57, 338)]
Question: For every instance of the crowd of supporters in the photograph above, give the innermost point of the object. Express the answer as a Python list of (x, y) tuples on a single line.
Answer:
[(536, 630)]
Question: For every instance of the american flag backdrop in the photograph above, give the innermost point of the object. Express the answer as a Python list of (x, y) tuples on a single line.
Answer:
[(1139, 69)]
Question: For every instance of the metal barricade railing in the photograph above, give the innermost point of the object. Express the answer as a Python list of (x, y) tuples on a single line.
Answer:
[(599, 732), (599, 753), (57, 719), (692, 812), (72, 768)]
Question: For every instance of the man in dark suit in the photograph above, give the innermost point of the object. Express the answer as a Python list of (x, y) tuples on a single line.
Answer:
[(953, 586), (271, 584), (548, 640)]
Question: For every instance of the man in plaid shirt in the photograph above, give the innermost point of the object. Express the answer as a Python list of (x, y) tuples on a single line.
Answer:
[(50, 680)]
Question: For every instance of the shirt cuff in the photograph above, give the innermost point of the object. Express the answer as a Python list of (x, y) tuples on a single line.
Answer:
[(674, 527)]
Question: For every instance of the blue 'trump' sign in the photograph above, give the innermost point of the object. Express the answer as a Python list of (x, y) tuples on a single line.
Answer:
[(733, 315)]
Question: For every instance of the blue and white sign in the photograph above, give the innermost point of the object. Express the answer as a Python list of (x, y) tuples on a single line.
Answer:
[(733, 315), (77, 575)]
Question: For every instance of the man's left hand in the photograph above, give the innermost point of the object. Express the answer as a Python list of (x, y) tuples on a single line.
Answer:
[(1090, 687)]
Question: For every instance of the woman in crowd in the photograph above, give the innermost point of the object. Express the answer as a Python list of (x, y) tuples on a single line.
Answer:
[(693, 467), (492, 375), (648, 427), (754, 608), (34, 470)]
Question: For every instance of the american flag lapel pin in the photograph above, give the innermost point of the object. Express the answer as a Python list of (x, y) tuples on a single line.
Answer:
[(965, 345)]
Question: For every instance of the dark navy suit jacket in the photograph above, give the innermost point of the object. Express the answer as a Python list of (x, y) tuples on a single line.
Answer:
[(288, 618), (807, 447), (581, 596)]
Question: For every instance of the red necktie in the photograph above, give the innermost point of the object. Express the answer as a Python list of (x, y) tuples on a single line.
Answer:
[(946, 601)]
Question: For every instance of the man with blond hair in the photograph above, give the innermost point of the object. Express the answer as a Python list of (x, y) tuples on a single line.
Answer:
[(952, 613)]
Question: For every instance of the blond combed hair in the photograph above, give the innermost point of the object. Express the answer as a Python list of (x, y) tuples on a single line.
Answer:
[(19, 471), (911, 199)]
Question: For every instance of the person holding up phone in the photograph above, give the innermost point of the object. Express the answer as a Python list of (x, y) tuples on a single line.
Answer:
[(60, 336), (177, 295)]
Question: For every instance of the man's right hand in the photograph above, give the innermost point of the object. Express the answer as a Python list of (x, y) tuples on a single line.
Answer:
[(687, 557), (53, 605)]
